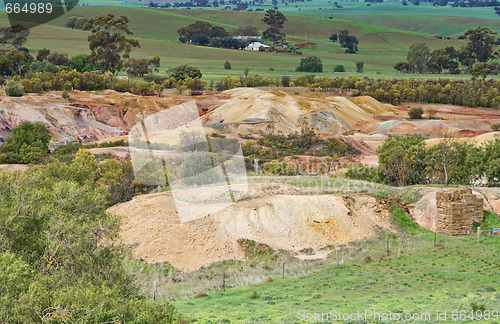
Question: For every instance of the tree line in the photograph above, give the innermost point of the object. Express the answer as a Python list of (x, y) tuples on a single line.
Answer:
[(476, 57), (405, 160), (205, 34)]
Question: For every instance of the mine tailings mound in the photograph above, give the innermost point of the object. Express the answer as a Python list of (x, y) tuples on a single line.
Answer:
[(284, 219), (250, 110)]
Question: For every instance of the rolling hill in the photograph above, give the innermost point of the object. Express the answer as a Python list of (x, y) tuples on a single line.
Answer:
[(380, 47)]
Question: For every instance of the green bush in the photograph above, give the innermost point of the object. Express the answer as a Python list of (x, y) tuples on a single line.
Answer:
[(279, 168), (310, 64), (199, 168), (365, 173), (339, 68), (360, 67), (180, 72), (12, 89), (34, 85), (27, 144), (495, 127), (56, 265), (227, 83), (402, 160), (491, 219), (416, 112), (65, 95)]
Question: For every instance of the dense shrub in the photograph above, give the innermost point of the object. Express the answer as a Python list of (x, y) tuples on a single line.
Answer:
[(199, 169), (285, 81), (481, 93), (44, 66), (27, 144), (182, 71), (416, 113), (57, 265), (274, 146), (310, 64), (279, 168), (364, 172), (402, 160), (32, 85), (339, 68), (227, 83), (258, 81), (12, 89)]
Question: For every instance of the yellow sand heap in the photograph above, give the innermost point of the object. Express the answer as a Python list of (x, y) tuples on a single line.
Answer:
[(258, 109)]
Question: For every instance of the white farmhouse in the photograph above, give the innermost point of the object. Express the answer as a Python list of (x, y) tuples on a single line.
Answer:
[(255, 46)]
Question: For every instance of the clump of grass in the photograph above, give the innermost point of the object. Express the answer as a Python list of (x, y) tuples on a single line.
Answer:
[(408, 225), (254, 250), (491, 219), (307, 251), (380, 194)]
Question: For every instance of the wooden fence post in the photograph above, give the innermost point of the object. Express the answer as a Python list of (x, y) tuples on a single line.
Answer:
[(479, 233), (155, 292)]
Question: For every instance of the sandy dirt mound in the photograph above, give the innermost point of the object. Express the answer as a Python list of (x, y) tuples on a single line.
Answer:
[(455, 120), (476, 140), (121, 110), (64, 121), (411, 127), (372, 106), (275, 217), (252, 109)]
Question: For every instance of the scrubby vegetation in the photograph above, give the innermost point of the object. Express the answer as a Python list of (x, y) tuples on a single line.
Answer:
[(272, 146), (404, 160), (416, 112), (474, 56), (27, 144), (57, 263), (310, 64)]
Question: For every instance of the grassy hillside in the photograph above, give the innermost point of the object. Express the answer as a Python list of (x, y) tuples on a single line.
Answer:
[(417, 277), (426, 18), (380, 47)]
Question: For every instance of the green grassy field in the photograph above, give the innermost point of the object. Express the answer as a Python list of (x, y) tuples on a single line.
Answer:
[(404, 274), (459, 274), (380, 47), (444, 21), (425, 18)]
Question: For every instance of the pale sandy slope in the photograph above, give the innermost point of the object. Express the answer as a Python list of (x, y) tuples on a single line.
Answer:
[(253, 109), (476, 140), (284, 217)]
